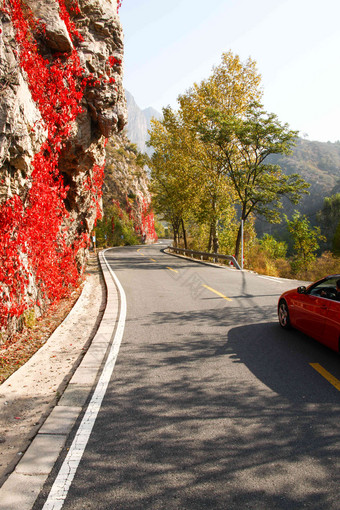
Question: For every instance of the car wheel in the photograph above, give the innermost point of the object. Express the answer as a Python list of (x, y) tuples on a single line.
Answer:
[(284, 315)]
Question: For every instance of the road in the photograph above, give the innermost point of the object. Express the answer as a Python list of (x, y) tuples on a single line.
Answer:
[(211, 404)]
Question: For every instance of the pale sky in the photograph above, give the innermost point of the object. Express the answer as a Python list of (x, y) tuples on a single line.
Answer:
[(170, 44)]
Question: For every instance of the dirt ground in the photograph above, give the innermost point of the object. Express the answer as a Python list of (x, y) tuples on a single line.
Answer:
[(30, 393)]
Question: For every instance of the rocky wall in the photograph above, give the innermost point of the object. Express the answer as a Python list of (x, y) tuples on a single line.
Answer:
[(61, 98), (126, 184)]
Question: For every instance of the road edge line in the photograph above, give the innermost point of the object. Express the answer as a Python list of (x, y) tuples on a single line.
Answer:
[(62, 483)]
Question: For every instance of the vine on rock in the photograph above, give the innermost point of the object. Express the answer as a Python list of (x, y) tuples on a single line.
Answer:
[(34, 248), (148, 222), (144, 220)]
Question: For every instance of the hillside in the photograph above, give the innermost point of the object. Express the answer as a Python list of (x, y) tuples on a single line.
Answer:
[(319, 164), (126, 184)]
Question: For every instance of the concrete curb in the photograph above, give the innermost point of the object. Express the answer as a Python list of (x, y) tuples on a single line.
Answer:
[(23, 486)]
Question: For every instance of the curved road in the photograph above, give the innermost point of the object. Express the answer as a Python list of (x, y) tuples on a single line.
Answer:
[(211, 404)]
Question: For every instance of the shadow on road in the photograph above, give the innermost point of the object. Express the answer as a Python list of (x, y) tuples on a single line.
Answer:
[(186, 426)]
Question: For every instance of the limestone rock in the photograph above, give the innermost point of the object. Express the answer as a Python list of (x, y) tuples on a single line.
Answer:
[(56, 34), (21, 129), (126, 182), (95, 34)]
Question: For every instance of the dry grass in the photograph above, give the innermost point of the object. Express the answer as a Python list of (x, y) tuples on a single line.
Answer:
[(259, 262), (326, 264)]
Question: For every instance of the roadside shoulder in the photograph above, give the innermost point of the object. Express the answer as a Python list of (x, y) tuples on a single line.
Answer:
[(28, 396)]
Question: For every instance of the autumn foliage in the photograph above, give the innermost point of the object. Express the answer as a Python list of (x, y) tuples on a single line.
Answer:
[(34, 247)]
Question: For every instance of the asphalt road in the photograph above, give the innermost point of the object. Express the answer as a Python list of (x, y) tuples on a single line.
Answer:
[(211, 404)]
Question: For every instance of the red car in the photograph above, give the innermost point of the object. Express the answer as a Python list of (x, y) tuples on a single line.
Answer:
[(314, 310)]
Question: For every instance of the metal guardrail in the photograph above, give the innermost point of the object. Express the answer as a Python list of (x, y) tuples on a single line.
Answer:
[(205, 256)]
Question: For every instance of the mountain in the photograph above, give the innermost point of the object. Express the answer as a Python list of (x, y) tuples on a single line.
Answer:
[(139, 123), (319, 164)]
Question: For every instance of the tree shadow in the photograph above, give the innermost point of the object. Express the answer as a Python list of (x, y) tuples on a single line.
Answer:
[(185, 425)]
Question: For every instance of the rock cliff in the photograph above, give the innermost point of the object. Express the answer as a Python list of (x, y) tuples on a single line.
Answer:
[(126, 185), (61, 98)]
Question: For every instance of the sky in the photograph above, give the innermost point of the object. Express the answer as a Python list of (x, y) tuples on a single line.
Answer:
[(169, 45)]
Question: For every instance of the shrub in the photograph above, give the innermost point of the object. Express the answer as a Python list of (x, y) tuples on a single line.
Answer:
[(273, 248), (324, 265), (258, 260), (115, 228)]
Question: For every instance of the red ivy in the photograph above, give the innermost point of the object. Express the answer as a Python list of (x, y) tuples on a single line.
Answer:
[(34, 244), (148, 222)]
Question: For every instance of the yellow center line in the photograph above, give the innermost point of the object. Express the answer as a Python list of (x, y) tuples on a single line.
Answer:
[(330, 378), (218, 293), (174, 270)]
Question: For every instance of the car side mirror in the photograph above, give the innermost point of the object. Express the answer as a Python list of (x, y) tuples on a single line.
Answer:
[(302, 289)]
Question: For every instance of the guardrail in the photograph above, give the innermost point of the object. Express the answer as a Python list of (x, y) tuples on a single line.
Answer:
[(205, 256)]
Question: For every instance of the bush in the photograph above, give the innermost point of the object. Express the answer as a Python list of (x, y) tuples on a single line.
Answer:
[(258, 260), (273, 248), (284, 268), (160, 230), (115, 228), (267, 256), (324, 265)]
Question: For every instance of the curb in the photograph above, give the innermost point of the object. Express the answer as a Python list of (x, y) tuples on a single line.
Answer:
[(37, 463)]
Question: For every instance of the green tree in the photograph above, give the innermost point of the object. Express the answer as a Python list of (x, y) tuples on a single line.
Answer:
[(273, 248), (305, 241), (232, 86), (244, 145), (186, 181), (160, 229), (170, 186), (329, 218), (212, 154), (336, 242), (115, 228)]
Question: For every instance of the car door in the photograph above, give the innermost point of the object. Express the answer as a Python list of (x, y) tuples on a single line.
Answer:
[(332, 325), (310, 315)]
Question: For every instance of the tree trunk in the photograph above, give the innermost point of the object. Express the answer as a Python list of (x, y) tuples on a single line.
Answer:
[(214, 235), (210, 244), (238, 243), (184, 235), (175, 234)]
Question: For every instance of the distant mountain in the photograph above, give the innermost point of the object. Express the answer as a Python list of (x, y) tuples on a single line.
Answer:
[(139, 123), (317, 162)]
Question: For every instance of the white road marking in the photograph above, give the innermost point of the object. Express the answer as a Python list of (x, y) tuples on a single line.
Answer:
[(273, 278), (62, 483)]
